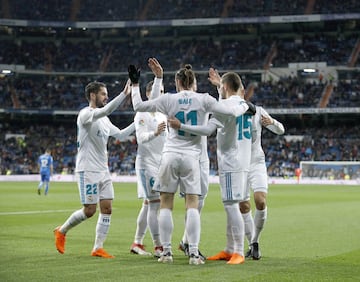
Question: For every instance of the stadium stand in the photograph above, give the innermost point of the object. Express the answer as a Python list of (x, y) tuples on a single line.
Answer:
[(52, 59)]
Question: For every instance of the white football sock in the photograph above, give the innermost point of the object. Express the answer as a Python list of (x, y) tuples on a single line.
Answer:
[(152, 219), (74, 219), (102, 229), (141, 224), (201, 205), (249, 226), (259, 221), (184, 237), (166, 227), (193, 230), (236, 228)]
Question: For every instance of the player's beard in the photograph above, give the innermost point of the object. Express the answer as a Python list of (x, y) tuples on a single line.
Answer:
[(100, 103)]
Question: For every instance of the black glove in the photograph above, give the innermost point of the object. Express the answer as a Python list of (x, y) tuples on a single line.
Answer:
[(252, 109), (134, 74)]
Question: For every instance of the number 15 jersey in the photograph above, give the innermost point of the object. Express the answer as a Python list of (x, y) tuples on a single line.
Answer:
[(234, 139)]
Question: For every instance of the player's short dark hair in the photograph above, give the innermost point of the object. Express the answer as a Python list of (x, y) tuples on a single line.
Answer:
[(93, 87), (233, 81)]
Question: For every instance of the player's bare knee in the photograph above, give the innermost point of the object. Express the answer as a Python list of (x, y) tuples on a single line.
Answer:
[(89, 210), (245, 207), (192, 201), (261, 204), (260, 200)]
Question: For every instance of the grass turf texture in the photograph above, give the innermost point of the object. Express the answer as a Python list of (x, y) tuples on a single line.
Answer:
[(312, 234)]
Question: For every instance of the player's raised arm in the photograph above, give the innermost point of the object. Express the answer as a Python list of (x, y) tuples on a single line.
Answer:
[(122, 134), (214, 77), (116, 102), (156, 67), (100, 108), (235, 110), (157, 70), (272, 124), (138, 104)]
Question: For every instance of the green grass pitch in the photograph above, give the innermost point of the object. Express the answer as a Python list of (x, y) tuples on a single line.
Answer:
[(312, 234)]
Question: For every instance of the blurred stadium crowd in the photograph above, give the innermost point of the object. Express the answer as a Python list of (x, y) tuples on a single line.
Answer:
[(62, 61), (19, 155), (92, 10)]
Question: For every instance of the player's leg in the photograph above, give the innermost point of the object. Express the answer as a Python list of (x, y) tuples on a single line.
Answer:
[(233, 187), (47, 182), (153, 222), (184, 243), (246, 213), (260, 188), (41, 183), (141, 223), (227, 252), (137, 246), (260, 214), (168, 178), (153, 198), (190, 184), (245, 209), (89, 202), (204, 183), (106, 195), (235, 232), (259, 221), (166, 225), (193, 228), (73, 220)]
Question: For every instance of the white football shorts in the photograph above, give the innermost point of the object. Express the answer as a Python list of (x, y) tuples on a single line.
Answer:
[(257, 179), (145, 183), (233, 185), (204, 180), (178, 169), (94, 186)]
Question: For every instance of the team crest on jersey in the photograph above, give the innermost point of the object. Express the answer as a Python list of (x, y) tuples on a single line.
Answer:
[(141, 122), (89, 198), (152, 182)]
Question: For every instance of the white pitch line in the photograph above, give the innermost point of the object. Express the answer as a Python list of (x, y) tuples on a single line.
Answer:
[(32, 212)]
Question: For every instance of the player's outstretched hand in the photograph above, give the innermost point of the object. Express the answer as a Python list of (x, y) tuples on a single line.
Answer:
[(155, 67), (134, 74), (252, 108), (127, 88), (214, 77)]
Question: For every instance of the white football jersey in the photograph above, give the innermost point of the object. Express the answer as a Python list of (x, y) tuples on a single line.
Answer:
[(204, 152), (190, 108), (234, 139), (149, 146), (257, 153), (93, 131)]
